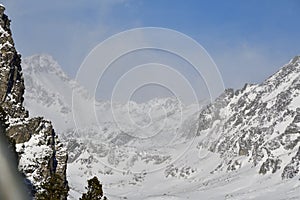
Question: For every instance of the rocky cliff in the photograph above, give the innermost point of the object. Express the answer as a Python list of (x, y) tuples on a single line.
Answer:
[(40, 152)]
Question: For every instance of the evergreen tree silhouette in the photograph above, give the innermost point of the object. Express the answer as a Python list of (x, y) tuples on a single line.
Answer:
[(94, 190)]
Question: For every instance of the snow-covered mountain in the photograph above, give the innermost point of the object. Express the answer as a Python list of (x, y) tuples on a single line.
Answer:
[(48, 90), (245, 145), (158, 124), (260, 123)]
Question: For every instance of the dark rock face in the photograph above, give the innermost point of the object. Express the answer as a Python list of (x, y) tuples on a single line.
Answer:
[(12, 83), (40, 152), (259, 124), (293, 168)]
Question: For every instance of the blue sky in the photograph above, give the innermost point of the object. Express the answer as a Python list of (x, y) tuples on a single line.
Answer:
[(248, 40)]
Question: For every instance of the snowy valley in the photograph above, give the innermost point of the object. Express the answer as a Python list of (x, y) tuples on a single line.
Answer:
[(245, 145)]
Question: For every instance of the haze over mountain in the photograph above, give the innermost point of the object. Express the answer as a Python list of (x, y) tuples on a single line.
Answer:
[(243, 37), (244, 145)]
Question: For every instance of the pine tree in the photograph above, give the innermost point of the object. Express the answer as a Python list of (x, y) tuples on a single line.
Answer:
[(94, 190), (53, 189)]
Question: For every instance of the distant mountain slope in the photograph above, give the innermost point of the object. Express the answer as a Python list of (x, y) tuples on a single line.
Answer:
[(43, 75), (244, 145), (258, 124), (48, 90)]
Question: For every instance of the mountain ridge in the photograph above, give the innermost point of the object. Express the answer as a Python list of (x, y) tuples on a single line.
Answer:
[(253, 130), (250, 104), (244, 145)]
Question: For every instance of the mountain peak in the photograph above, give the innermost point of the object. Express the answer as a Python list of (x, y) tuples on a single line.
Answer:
[(295, 61), (43, 63), (285, 76)]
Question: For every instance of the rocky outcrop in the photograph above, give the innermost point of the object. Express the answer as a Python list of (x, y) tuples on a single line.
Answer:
[(40, 152), (12, 83), (259, 124), (293, 168)]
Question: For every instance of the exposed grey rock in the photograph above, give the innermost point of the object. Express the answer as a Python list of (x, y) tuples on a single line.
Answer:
[(40, 152), (259, 122), (293, 168)]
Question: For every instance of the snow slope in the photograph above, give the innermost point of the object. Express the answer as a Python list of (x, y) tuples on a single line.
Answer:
[(245, 145)]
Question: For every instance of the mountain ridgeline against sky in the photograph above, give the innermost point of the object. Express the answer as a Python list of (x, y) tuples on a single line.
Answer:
[(258, 124), (252, 133), (244, 145)]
